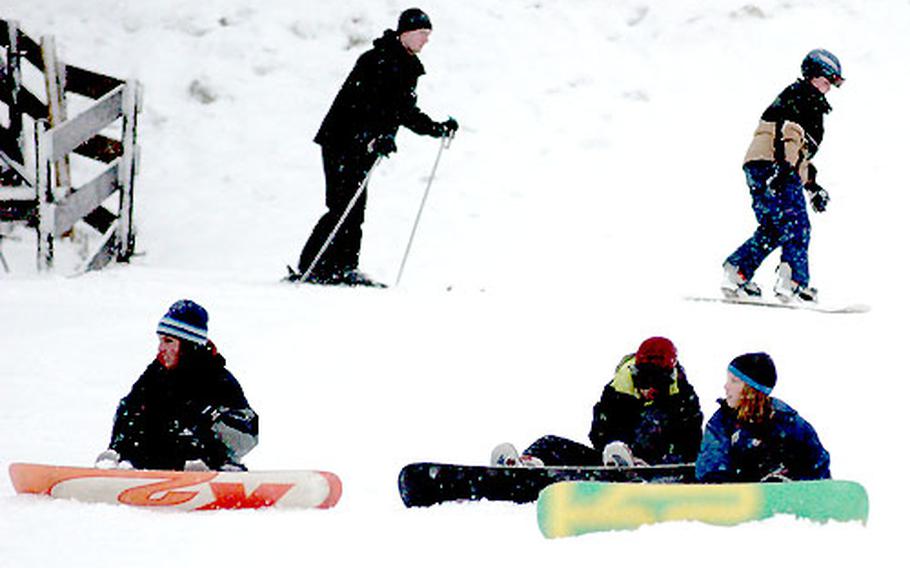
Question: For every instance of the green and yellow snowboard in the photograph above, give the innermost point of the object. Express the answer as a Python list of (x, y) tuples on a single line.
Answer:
[(577, 507)]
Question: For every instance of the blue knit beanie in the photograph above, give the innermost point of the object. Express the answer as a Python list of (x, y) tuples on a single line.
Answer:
[(186, 319), (756, 370)]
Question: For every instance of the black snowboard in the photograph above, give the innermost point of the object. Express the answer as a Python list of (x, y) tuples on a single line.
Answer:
[(425, 484)]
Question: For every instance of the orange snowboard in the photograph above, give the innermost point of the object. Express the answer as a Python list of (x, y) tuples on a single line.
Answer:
[(181, 490)]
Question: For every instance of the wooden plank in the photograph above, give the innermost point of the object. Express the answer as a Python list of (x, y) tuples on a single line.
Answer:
[(131, 106), (90, 122), (19, 168), (14, 80), (105, 252), (56, 103), (89, 83), (44, 191), (82, 201)]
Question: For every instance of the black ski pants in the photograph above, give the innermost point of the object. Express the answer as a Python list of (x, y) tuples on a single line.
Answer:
[(555, 450), (344, 171)]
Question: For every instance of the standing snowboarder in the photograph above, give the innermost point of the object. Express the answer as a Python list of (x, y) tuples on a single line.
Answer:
[(186, 411), (778, 169), (377, 97), (755, 437)]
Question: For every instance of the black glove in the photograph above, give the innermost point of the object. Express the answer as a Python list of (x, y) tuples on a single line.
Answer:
[(383, 145), (818, 197), (447, 128)]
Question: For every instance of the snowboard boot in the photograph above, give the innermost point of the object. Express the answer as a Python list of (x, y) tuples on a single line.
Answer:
[(735, 285), (788, 290), (618, 454), (505, 455)]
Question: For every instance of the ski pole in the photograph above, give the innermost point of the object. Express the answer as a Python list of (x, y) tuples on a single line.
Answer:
[(446, 142), (344, 216)]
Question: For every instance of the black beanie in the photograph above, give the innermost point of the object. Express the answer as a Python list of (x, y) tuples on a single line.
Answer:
[(413, 19), (756, 370)]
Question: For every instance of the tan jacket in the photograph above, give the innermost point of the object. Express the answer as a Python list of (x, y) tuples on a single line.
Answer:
[(795, 146)]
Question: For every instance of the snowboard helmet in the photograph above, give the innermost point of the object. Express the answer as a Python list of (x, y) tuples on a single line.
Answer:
[(657, 351), (413, 19), (655, 364), (823, 63)]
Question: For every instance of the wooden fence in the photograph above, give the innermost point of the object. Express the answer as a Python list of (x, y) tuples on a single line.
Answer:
[(44, 197)]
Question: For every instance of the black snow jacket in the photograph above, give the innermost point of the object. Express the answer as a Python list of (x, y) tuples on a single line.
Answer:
[(805, 105), (378, 96), (195, 411), (662, 431), (791, 129)]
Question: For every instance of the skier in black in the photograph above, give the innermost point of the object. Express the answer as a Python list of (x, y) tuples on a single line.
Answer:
[(778, 170), (186, 411), (377, 97)]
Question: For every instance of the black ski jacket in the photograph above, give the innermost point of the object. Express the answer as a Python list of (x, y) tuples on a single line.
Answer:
[(195, 411), (805, 105), (665, 430), (791, 129), (378, 96)]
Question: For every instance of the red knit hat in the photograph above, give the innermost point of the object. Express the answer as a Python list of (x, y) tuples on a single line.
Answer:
[(657, 351)]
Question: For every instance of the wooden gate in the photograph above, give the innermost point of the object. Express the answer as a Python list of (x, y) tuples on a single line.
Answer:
[(43, 196)]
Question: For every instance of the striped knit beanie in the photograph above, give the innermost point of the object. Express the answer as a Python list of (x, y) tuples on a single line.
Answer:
[(186, 319)]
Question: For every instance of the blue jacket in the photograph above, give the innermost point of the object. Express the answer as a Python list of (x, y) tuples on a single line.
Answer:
[(786, 444)]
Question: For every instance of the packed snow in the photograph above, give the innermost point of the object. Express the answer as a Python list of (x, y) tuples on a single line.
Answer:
[(595, 182)]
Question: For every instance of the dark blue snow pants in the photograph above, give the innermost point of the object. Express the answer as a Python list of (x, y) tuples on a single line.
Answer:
[(782, 222)]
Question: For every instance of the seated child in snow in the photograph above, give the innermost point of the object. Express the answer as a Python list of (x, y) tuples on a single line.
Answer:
[(186, 411), (648, 413), (754, 437)]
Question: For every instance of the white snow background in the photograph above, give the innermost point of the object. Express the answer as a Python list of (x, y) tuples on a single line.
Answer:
[(594, 183)]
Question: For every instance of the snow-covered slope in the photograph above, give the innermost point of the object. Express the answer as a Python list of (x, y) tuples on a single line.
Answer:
[(594, 183)]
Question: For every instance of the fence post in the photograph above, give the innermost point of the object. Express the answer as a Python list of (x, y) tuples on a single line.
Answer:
[(14, 72), (129, 163), (54, 81), (45, 194)]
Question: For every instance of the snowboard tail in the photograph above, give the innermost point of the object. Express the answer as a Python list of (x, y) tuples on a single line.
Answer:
[(180, 490), (425, 484), (575, 508)]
